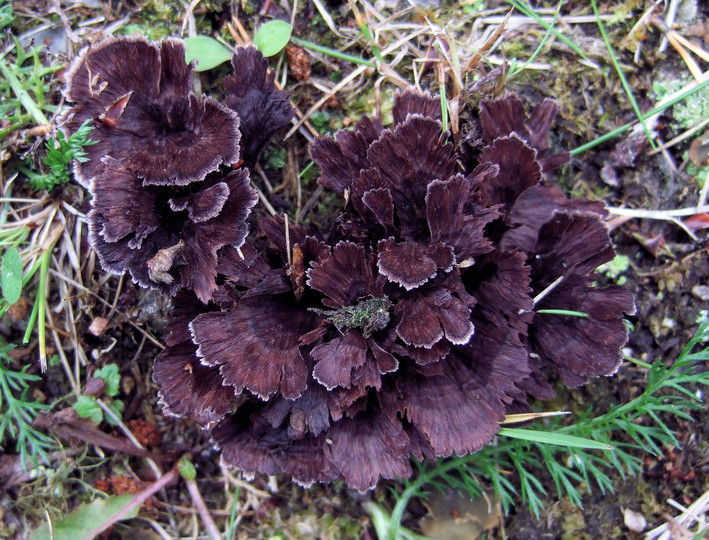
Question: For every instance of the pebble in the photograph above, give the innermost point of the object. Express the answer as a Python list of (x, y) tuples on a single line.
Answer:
[(701, 292)]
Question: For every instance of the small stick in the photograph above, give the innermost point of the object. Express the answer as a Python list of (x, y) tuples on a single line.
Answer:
[(658, 214), (129, 434), (202, 509), (548, 289), (679, 138), (285, 219), (264, 200)]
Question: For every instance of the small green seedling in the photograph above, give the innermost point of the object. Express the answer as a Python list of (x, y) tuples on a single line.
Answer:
[(17, 411), (88, 407), (60, 154)]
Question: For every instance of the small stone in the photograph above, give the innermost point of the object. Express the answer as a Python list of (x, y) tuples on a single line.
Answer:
[(97, 326), (635, 521), (701, 292)]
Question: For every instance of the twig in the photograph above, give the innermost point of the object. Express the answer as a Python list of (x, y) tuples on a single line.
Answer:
[(344, 82), (325, 14), (658, 214), (679, 138), (98, 297), (202, 509), (234, 481), (663, 215), (128, 433), (669, 21), (703, 195), (550, 288), (158, 528), (264, 200), (313, 199), (699, 506), (189, 22)]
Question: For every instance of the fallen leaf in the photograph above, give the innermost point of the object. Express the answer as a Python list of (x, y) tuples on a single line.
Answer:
[(454, 516), (699, 151), (697, 222), (655, 244), (87, 518), (68, 425)]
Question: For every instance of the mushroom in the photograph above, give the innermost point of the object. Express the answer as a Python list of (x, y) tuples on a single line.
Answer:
[(137, 95), (263, 109), (413, 326), (167, 237)]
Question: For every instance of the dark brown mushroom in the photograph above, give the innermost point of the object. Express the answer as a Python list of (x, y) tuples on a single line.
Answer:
[(417, 322), (263, 109), (138, 97), (167, 237)]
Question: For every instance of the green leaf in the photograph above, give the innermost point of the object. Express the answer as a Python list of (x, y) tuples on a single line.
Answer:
[(208, 52), (553, 438), (272, 37), (187, 469), (86, 407), (109, 374), (11, 276), (86, 519), (117, 407)]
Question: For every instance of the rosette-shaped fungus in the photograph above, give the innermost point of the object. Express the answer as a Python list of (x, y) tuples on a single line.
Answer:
[(564, 241), (323, 387), (516, 245), (167, 237), (138, 97), (415, 324), (187, 386), (163, 202)]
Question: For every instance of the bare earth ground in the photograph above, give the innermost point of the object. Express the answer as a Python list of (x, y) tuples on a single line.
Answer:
[(667, 271)]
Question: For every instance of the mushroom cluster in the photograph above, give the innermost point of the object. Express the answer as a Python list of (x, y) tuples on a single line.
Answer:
[(165, 197), (455, 283)]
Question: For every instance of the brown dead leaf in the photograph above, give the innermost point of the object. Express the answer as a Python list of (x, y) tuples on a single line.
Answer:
[(699, 151), (455, 516), (297, 272), (94, 387), (18, 311), (146, 433), (299, 62), (653, 243), (69, 426), (697, 222)]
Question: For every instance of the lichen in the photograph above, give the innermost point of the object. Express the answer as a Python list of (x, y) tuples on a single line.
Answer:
[(369, 315)]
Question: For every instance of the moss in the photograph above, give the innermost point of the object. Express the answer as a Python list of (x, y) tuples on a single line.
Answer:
[(690, 111)]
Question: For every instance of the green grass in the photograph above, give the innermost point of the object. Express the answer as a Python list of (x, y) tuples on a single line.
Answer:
[(18, 410), (27, 100), (24, 90)]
